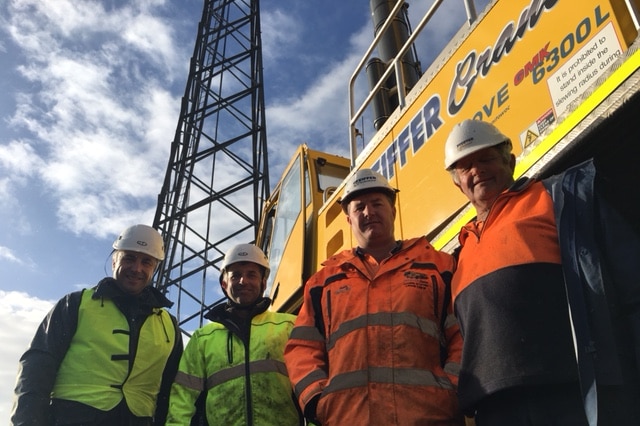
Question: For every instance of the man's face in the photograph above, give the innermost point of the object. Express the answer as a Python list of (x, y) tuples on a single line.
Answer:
[(244, 282), (484, 175), (371, 217), (132, 270)]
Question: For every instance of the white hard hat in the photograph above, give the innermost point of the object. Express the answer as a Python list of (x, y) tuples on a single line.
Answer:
[(245, 253), (366, 180), (141, 238), (470, 136)]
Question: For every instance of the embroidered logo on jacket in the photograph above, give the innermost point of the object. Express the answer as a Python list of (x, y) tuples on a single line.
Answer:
[(416, 279), (342, 289)]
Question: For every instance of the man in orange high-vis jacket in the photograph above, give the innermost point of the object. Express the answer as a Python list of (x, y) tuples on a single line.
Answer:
[(375, 341), (531, 275)]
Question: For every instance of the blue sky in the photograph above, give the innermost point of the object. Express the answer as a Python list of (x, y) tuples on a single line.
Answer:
[(90, 101)]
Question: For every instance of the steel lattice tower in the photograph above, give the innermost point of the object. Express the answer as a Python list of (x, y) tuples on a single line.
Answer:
[(217, 176)]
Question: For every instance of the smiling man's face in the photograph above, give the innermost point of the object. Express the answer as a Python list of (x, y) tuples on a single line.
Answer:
[(244, 282), (483, 175), (132, 270), (371, 217)]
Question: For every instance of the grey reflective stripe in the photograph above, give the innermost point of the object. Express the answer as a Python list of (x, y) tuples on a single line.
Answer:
[(452, 368), (189, 381), (308, 380), (425, 325), (306, 333), (260, 366), (450, 321), (404, 376)]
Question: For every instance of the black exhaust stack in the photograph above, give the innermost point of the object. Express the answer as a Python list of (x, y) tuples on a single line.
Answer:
[(386, 100)]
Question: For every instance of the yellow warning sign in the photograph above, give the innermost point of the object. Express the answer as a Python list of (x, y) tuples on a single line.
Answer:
[(530, 138)]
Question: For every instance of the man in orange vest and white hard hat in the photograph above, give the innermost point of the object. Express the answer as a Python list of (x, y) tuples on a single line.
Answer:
[(375, 342), (534, 246)]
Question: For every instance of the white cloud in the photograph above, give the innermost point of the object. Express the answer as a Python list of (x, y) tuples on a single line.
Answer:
[(318, 115), (21, 314), (6, 186), (150, 35), (280, 34), (18, 164), (76, 23), (101, 126), (19, 159), (7, 254)]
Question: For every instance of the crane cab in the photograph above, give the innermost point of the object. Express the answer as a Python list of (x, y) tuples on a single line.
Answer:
[(289, 231)]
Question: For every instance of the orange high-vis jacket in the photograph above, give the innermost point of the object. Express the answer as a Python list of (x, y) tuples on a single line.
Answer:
[(510, 298), (371, 347)]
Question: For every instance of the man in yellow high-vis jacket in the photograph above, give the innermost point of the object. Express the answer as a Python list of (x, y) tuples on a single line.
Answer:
[(105, 355), (237, 360)]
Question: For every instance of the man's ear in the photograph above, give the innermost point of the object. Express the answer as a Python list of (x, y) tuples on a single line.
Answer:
[(223, 284), (512, 163)]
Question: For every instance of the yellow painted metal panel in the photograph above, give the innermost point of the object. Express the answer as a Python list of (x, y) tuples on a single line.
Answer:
[(522, 67)]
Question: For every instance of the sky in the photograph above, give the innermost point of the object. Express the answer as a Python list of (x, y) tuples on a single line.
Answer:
[(89, 103)]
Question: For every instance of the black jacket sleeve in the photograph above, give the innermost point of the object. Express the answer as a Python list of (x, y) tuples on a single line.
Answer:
[(168, 375), (38, 366)]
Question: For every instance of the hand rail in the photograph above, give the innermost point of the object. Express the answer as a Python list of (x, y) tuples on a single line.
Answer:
[(354, 115)]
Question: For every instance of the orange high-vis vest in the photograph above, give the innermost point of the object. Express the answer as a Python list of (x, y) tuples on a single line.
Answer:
[(371, 345)]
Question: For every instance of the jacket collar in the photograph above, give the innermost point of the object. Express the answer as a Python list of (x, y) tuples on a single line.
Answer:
[(351, 255), (229, 309), (151, 296), (360, 252)]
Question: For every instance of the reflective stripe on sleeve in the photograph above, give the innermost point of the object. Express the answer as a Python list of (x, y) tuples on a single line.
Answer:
[(393, 319), (260, 366), (402, 376)]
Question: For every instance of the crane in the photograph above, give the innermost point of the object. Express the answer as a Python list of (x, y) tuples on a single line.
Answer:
[(217, 174)]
